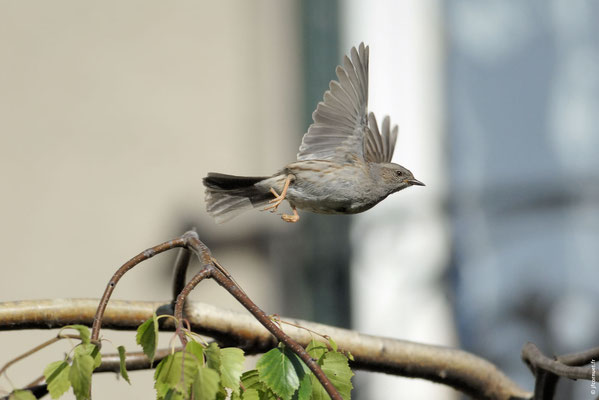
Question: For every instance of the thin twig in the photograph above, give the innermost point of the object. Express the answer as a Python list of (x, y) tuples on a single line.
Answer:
[(277, 332), (204, 273), (145, 255), (535, 359), (547, 371), (580, 358), (36, 349)]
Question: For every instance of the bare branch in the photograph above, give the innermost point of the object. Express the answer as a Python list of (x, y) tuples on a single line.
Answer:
[(547, 371), (537, 360)]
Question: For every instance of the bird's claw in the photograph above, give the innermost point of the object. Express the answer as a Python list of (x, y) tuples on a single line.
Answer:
[(290, 218), (274, 203)]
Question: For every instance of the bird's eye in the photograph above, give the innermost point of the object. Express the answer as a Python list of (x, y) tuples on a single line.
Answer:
[(399, 173)]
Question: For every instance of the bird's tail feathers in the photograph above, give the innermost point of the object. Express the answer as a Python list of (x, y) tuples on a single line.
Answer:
[(229, 195)]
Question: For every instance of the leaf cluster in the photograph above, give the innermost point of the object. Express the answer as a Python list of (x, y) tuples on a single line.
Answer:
[(205, 371)]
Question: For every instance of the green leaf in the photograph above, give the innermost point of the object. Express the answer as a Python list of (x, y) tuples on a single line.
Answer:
[(318, 392), (317, 349), (251, 383), (172, 394), (251, 394), (80, 374), (281, 370), (213, 359), (222, 394), (57, 378), (22, 395), (250, 379), (255, 394), (147, 337), (197, 350), (168, 374), (90, 350), (231, 367), (206, 384), (83, 332), (122, 364), (332, 344), (336, 368), (305, 389)]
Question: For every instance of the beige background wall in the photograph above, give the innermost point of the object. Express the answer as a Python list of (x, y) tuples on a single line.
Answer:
[(110, 114)]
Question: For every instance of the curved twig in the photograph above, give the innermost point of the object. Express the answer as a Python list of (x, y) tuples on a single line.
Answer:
[(204, 273), (535, 359), (547, 371), (145, 255)]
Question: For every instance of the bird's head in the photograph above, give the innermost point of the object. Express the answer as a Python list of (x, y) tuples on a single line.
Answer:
[(395, 177)]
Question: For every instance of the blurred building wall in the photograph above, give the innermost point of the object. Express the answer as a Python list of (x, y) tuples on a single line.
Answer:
[(110, 114)]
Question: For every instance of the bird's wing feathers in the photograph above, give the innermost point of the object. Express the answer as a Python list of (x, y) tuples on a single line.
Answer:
[(342, 127), (379, 145), (340, 119)]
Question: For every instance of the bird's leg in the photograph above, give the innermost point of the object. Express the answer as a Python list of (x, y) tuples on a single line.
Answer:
[(291, 218), (274, 203)]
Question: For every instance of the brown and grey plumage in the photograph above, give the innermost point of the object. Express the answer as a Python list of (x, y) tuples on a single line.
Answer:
[(343, 165)]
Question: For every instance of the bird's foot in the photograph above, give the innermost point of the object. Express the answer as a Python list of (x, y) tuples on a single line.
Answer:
[(291, 218), (276, 202)]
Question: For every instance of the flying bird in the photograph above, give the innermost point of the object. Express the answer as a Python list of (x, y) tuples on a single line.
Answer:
[(343, 165)]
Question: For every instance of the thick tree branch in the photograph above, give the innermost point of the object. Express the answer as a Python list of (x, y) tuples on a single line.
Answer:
[(459, 369)]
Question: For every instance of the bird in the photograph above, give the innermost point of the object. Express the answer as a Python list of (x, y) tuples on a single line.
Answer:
[(343, 165)]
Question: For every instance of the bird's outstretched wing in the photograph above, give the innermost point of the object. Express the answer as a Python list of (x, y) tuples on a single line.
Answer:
[(342, 130), (379, 146)]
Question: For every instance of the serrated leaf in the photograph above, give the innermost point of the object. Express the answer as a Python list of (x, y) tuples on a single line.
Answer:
[(333, 344), (83, 332), (168, 374), (22, 395), (251, 381), (231, 367), (316, 349), (123, 364), (147, 337), (213, 359), (206, 384), (251, 378), (57, 378), (80, 375), (197, 350), (281, 370), (336, 368), (90, 350)]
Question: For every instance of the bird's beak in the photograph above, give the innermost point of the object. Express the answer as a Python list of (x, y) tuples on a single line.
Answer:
[(414, 181)]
